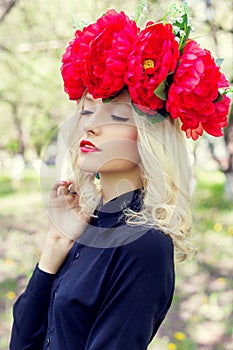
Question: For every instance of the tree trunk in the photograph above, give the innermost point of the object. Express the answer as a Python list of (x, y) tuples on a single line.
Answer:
[(227, 169), (228, 136), (7, 8), (228, 190), (19, 129)]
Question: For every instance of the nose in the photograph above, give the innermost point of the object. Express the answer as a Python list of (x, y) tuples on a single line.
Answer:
[(92, 124), (89, 126)]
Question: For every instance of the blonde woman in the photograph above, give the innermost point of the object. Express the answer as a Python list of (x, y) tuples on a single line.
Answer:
[(105, 279)]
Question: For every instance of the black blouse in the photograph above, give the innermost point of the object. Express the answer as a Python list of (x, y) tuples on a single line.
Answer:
[(111, 293)]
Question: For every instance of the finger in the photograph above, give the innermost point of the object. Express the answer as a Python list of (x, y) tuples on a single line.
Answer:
[(72, 196), (56, 188), (72, 188), (64, 190), (64, 199)]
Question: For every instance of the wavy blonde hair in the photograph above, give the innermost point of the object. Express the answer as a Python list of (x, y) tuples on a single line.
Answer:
[(166, 176), (167, 181)]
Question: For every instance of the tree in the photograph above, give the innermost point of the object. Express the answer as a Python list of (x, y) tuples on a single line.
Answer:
[(32, 40), (6, 7), (220, 28)]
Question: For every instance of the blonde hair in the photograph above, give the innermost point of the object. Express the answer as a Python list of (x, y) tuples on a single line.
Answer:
[(166, 175), (167, 181)]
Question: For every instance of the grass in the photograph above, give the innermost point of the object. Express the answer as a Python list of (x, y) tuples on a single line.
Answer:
[(29, 182), (201, 315)]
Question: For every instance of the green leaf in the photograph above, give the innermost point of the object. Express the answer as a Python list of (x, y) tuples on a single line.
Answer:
[(155, 118), (218, 61), (161, 92), (137, 110), (225, 91), (219, 98), (152, 118), (108, 99), (142, 7)]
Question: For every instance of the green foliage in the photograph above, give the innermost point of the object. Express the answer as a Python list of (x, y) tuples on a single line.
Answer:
[(6, 186), (29, 182), (219, 61), (42, 130), (31, 91), (178, 15), (32, 40), (109, 99), (12, 146), (161, 91), (210, 187), (141, 9)]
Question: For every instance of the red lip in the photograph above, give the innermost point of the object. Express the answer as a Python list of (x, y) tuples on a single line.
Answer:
[(87, 146)]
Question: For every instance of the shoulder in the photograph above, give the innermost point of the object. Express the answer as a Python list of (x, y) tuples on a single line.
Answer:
[(149, 260), (153, 246)]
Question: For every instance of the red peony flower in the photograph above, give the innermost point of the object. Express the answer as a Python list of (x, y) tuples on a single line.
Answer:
[(73, 67), (154, 55), (106, 62), (193, 96)]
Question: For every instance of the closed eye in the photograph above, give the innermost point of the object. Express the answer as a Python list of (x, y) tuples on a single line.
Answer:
[(121, 119), (86, 112)]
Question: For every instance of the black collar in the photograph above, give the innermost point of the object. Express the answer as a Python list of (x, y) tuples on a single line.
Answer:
[(105, 228), (111, 213)]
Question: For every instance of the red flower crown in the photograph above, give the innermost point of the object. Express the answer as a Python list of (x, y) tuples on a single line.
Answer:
[(163, 70)]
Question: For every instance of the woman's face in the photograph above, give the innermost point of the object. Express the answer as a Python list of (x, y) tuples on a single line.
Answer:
[(108, 141)]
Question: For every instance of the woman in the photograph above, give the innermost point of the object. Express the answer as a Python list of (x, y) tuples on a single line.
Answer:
[(105, 279)]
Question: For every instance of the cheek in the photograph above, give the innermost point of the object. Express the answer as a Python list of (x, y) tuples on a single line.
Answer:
[(122, 148), (132, 133), (119, 155), (127, 132), (121, 143), (80, 128)]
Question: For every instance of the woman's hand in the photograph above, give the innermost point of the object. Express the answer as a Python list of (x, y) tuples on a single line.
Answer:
[(66, 219), (67, 224)]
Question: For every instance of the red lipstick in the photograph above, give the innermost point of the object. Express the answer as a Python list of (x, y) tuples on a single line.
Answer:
[(87, 146)]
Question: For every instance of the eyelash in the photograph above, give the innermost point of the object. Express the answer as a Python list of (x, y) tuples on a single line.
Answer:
[(116, 117)]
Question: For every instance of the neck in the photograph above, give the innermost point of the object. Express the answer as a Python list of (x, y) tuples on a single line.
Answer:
[(113, 185)]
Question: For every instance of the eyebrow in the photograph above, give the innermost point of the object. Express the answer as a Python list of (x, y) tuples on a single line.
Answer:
[(127, 104)]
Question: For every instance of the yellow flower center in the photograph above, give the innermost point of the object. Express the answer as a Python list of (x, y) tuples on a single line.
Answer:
[(148, 64)]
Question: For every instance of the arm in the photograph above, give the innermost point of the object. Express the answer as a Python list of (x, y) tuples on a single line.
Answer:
[(139, 294), (31, 309), (30, 313)]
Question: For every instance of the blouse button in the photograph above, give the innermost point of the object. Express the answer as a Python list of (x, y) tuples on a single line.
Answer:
[(48, 342), (76, 256)]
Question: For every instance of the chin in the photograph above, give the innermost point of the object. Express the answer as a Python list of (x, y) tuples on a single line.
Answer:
[(118, 166)]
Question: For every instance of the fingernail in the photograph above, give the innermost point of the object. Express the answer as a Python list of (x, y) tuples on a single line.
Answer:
[(65, 182)]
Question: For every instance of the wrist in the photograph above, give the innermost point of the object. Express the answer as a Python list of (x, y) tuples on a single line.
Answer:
[(54, 252)]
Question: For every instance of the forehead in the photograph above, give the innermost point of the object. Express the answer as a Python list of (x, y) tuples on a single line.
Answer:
[(120, 106), (89, 100), (123, 98)]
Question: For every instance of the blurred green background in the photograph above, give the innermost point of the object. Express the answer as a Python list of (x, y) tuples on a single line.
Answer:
[(33, 36)]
